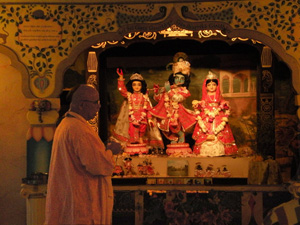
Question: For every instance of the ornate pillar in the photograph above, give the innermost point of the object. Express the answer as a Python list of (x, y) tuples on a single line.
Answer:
[(42, 117), (265, 106), (35, 203)]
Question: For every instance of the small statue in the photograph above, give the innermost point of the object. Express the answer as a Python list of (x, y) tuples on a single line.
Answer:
[(172, 117), (225, 172), (209, 172), (135, 127), (129, 171), (118, 171), (199, 170), (212, 133)]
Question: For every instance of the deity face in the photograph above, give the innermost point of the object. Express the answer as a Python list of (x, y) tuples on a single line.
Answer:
[(179, 79), (211, 87), (136, 86)]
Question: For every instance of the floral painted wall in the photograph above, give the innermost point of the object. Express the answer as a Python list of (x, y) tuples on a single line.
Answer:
[(47, 38), (44, 35)]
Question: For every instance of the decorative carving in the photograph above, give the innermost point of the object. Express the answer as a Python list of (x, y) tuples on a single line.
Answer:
[(266, 105), (267, 80), (92, 62), (40, 106), (175, 31), (266, 57), (209, 33), (92, 80)]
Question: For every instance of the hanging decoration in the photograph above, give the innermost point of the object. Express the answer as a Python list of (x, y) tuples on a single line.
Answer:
[(40, 106)]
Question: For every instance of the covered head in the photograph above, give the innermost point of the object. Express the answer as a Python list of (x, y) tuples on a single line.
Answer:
[(85, 101)]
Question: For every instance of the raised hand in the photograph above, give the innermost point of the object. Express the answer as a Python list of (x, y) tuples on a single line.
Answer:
[(120, 72)]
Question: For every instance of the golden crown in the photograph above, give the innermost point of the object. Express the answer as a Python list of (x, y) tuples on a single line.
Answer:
[(136, 76), (211, 76)]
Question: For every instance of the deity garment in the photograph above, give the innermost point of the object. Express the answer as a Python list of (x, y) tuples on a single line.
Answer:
[(132, 124), (212, 133), (173, 118)]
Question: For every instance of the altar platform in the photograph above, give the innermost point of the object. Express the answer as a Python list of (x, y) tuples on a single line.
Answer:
[(237, 167)]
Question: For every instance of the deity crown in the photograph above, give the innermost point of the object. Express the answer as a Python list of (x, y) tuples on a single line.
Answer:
[(211, 76), (183, 66), (136, 76)]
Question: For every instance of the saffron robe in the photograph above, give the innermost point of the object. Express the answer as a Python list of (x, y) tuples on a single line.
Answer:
[(79, 186)]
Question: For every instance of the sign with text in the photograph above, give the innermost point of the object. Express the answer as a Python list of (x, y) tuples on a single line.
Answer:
[(40, 33)]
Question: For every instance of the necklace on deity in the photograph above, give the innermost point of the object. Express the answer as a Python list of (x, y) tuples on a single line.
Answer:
[(211, 98)]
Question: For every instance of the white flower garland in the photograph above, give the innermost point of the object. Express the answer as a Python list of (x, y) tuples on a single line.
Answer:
[(131, 111), (212, 114)]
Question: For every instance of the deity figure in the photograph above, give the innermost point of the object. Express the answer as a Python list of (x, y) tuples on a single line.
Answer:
[(134, 119), (173, 119), (212, 134)]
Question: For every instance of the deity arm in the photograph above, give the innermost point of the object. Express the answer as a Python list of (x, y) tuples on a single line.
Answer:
[(224, 105), (122, 88), (185, 93)]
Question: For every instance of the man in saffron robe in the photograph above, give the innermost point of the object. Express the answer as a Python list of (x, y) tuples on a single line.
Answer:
[(79, 188)]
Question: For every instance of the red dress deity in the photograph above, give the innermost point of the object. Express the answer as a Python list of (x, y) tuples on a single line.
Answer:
[(212, 133), (172, 117)]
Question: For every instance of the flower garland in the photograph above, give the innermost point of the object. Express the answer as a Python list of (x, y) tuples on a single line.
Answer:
[(221, 126), (131, 108), (200, 122), (211, 114)]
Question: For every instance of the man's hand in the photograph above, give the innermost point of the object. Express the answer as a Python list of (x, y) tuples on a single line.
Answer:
[(115, 147)]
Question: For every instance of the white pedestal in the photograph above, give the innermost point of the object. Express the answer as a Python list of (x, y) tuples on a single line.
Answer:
[(35, 203)]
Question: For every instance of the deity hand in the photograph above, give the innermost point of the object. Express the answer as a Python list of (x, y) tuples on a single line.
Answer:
[(120, 73), (155, 88), (202, 103), (151, 123), (195, 103), (167, 86), (224, 105)]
